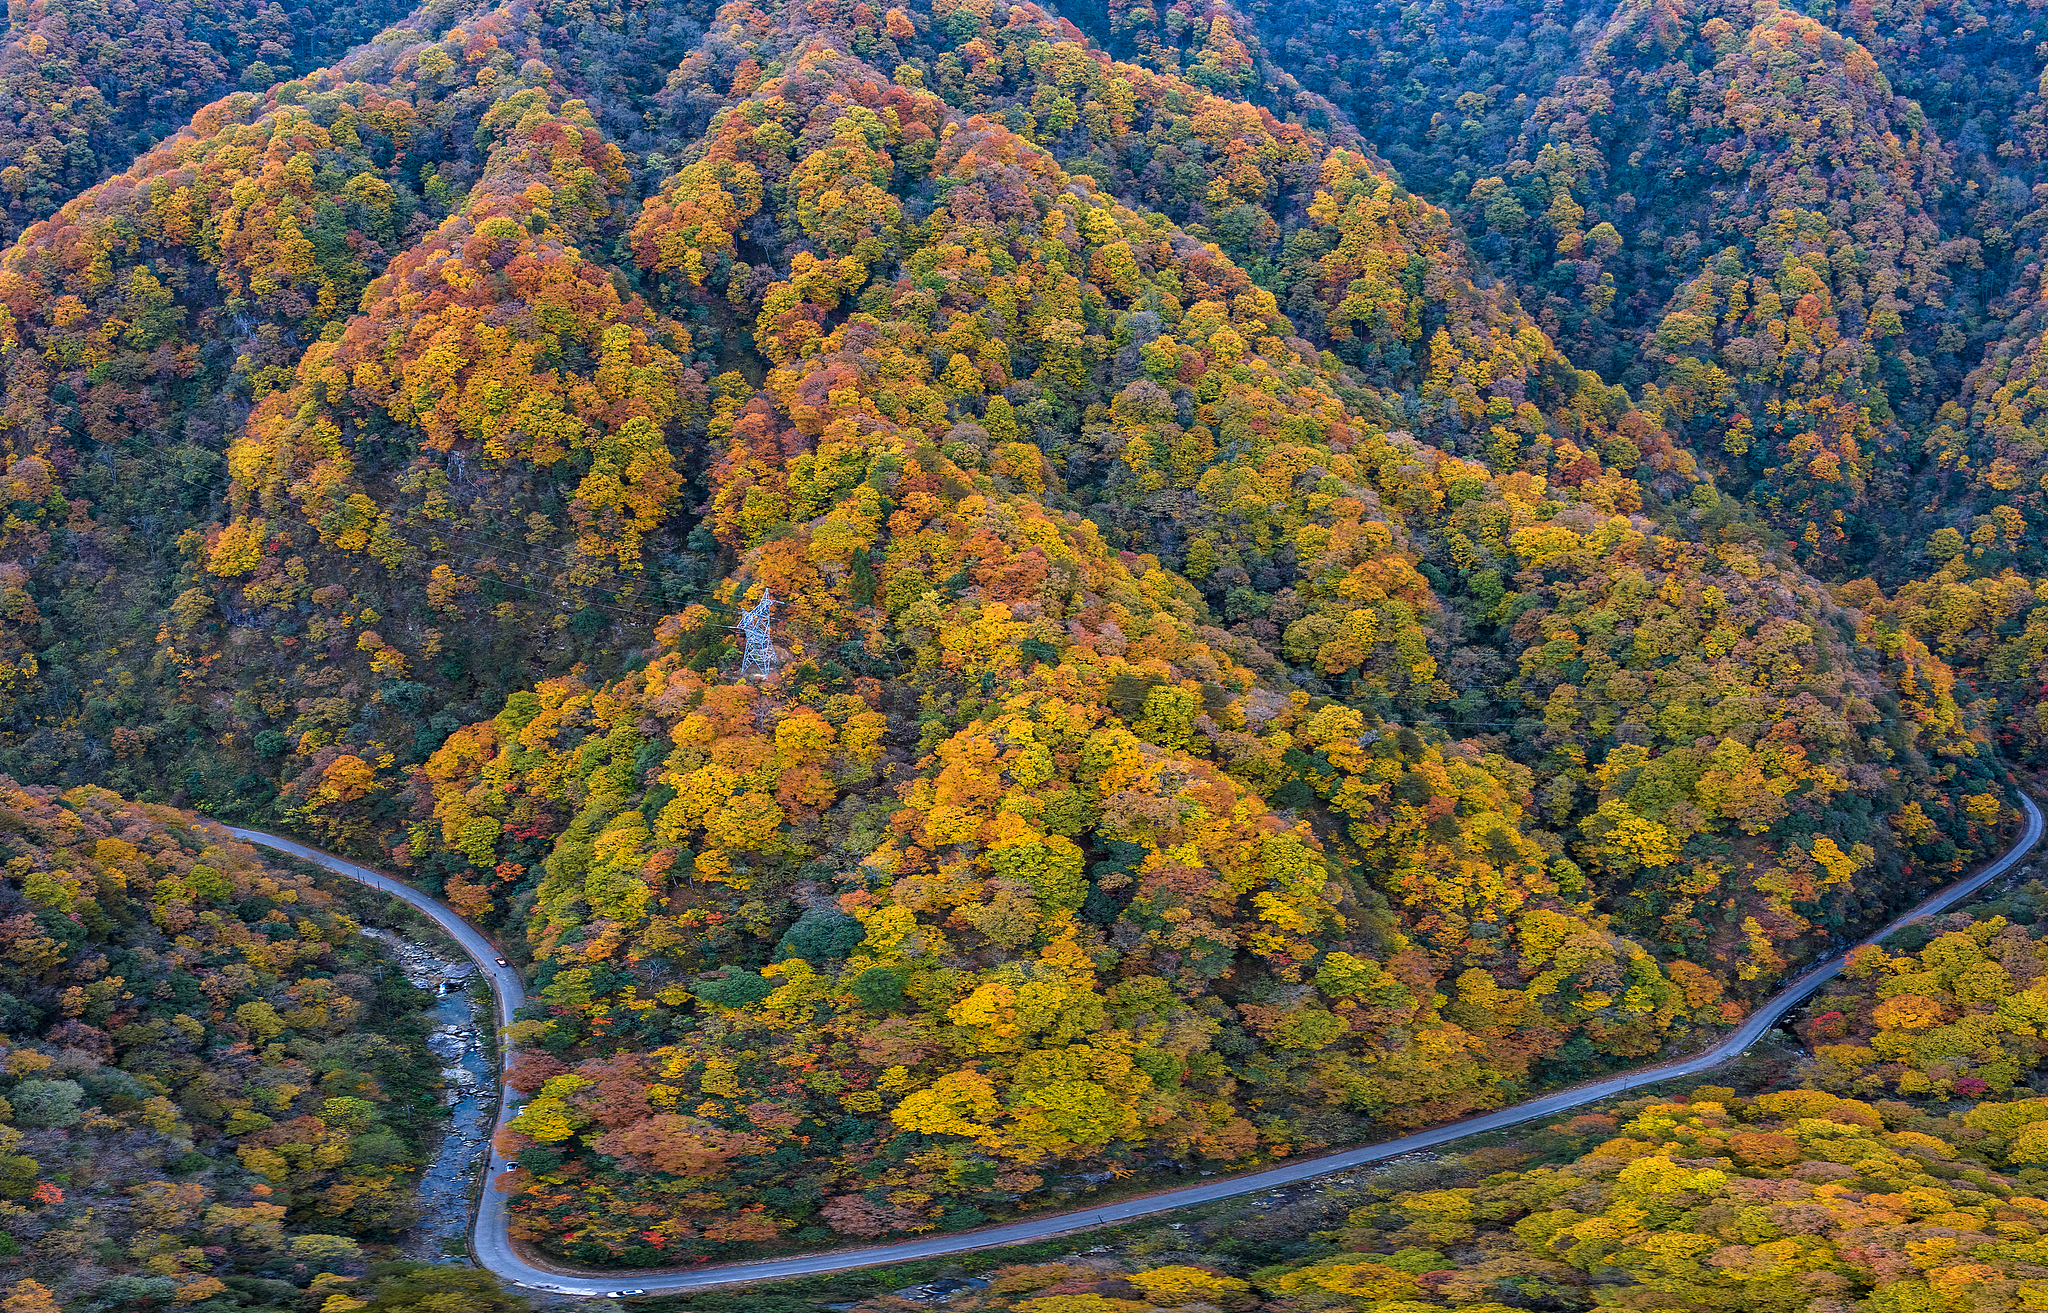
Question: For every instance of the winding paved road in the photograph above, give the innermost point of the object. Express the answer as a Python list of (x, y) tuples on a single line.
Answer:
[(494, 1247)]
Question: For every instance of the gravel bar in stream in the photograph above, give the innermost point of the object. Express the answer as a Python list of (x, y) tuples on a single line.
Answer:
[(447, 1184)]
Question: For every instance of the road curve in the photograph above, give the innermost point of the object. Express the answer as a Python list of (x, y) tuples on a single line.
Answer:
[(494, 1247)]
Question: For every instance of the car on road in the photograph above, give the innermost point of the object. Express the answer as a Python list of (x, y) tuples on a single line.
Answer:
[(501, 961), (622, 1294)]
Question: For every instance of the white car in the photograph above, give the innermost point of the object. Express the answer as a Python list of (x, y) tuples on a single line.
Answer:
[(622, 1294)]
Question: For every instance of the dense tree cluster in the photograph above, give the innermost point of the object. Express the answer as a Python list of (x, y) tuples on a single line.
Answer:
[(1264, 653), (209, 1073), (1810, 233), (92, 85), (1057, 847), (162, 304), (1904, 1175), (1784, 1200)]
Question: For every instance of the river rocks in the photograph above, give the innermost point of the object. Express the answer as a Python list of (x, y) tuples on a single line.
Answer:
[(942, 1291), (422, 966), (467, 1090), (451, 1040)]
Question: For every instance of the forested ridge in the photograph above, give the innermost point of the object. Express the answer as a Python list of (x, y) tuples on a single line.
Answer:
[(1332, 568), (213, 1092), (93, 85), (1900, 1170)]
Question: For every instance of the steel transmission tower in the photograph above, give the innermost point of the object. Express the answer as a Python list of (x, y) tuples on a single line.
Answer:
[(760, 654)]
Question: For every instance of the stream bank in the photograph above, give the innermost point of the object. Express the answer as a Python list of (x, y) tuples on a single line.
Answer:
[(448, 1181)]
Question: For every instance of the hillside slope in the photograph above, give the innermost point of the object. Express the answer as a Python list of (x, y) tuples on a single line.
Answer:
[(1242, 681), (209, 1074)]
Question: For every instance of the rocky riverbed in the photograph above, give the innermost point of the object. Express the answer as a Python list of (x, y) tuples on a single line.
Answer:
[(456, 1041)]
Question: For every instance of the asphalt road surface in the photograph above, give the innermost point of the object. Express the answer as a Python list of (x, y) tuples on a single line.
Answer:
[(494, 1248)]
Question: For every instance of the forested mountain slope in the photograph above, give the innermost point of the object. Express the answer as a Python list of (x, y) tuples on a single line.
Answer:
[(92, 85), (209, 1074), (1656, 176), (1262, 654), (1903, 1173)]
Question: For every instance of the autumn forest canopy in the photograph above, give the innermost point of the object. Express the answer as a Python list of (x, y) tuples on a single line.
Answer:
[(1335, 566)]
